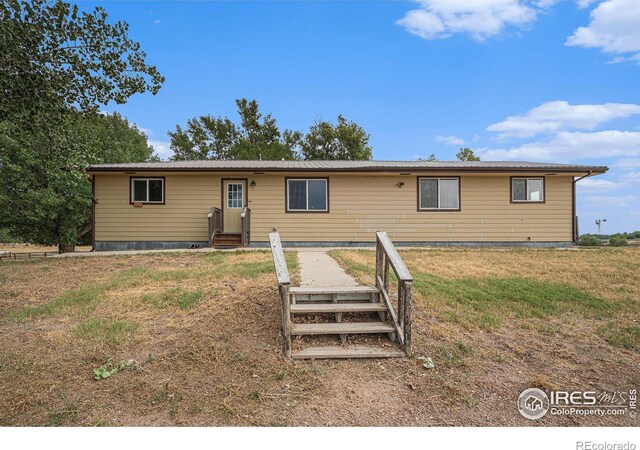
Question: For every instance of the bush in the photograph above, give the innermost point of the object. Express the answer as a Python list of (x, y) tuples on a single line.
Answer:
[(618, 241), (590, 240)]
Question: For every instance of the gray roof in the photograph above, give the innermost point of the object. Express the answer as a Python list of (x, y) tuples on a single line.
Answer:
[(344, 166)]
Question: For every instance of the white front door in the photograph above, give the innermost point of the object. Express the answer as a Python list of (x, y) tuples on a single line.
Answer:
[(234, 200)]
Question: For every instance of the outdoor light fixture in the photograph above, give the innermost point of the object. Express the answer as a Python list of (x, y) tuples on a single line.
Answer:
[(253, 183), (400, 184)]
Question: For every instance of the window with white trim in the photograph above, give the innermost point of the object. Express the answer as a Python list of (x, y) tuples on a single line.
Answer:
[(439, 194), (147, 190), (235, 195), (307, 194), (527, 190)]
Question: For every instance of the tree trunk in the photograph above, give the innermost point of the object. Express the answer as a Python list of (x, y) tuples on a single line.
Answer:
[(66, 248)]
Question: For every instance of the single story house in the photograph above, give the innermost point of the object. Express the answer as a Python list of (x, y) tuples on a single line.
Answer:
[(183, 204)]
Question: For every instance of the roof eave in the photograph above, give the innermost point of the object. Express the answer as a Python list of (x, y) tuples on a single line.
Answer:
[(596, 170)]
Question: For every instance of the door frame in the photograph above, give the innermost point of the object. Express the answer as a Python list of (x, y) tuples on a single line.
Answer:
[(223, 194)]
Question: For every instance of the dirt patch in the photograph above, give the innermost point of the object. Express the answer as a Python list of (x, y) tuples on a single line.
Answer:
[(204, 329)]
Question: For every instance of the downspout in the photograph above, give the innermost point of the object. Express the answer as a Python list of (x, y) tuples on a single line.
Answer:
[(573, 202)]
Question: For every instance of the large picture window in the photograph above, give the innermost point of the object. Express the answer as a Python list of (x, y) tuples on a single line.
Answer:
[(147, 190), (438, 194), (527, 190), (307, 194)]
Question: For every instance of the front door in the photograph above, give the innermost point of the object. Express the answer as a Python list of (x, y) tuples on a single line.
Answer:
[(234, 200)]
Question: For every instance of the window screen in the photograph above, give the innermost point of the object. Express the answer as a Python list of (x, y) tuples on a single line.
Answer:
[(439, 193), (307, 195), (527, 189), (147, 190)]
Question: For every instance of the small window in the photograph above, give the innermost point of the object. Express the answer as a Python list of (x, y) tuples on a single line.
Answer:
[(439, 194), (235, 195), (527, 190), (147, 190), (309, 195)]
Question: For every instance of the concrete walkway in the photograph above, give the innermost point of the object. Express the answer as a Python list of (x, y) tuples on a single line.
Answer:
[(318, 269)]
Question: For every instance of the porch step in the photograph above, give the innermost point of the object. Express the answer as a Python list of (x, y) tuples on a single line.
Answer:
[(346, 352), (312, 308), (227, 240), (302, 329), (333, 290)]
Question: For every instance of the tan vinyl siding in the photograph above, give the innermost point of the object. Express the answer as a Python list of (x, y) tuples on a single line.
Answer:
[(359, 206)]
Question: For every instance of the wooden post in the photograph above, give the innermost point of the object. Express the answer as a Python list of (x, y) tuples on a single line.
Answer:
[(379, 256), (286, 320), (407, 320), (343, 337)]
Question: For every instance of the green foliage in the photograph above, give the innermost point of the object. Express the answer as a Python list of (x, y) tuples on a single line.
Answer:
[(218, 138), (57, 65), (108, 369), (5, 236), (258, 137), (618, 240), (344, 141), (590, 240), (105, 331), (54, 55), (466, 154), (430, 158)]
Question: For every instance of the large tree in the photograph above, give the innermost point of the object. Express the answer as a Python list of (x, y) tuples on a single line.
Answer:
[(218, 138), (345, 140), (57, 66)]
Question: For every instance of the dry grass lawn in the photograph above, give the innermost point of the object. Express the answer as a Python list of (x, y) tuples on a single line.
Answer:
[(192, 339)]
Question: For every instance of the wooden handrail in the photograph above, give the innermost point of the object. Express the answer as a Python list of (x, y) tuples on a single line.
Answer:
[(215, 222), (399, 268), (387, 256), (282, 276), (282, 273), (245, 220)]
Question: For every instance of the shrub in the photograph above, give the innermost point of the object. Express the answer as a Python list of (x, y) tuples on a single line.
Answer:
[(590, 240), (618, 241)]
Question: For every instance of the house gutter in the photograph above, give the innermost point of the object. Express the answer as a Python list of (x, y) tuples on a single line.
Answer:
[(574, 221)]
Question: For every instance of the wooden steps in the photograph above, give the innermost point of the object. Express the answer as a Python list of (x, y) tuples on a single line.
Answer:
[(306, 329), (226, 240), (354, 351), (333, 290), (318, 308)]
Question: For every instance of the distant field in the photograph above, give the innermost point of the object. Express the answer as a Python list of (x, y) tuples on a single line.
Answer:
[(197, 336)]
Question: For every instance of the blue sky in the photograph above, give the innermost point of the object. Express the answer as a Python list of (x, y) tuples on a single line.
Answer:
[(537, 80)]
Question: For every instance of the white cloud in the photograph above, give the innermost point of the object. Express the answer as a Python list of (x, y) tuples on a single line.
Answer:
[(161, 148), (622, 201), (598, 185), (614, 28), (570, 146), (627, 163), (584, 3), (631, 177), (157, 21), (439, 19), (449, 140), (560, 115)]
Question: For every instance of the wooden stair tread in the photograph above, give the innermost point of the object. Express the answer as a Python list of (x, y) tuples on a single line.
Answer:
[(310, 308), (331, 352), (333, 290), (300, 329)]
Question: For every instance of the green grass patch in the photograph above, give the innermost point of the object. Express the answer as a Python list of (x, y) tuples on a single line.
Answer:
[(85, 296), (484, 302), (254, 269), (627, 337), (105, 331), (174, 297)]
